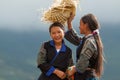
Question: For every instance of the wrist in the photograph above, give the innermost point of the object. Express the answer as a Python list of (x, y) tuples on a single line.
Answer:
[(55, 71), (74, 69), (69, 26)]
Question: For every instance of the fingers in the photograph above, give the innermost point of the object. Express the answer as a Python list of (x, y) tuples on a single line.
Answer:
[(71, 14), (71, 17), (71, 71), (63, 76), (60, 74)]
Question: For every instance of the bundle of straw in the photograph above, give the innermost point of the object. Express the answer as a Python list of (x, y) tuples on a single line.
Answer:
[(60, 11)]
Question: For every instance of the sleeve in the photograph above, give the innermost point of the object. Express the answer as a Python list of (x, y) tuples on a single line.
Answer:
[(42, 63), (86, 53), (72, 37)]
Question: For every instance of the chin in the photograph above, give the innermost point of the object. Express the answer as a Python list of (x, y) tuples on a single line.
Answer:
[(58, 41), (81, 33)]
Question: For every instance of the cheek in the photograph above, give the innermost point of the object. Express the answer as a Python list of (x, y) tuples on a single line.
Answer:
[(80, 28), (62, 34), (52, 36)]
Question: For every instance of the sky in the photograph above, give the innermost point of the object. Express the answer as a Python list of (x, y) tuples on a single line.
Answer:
[(26, 14)]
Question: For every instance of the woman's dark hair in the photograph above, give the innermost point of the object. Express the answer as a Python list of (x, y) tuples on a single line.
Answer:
[(93, 24), (91, 20), (56, 24)]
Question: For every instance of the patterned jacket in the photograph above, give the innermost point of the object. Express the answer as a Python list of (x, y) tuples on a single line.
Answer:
[(86, 52)]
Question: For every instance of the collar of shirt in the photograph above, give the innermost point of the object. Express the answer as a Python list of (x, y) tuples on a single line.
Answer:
[(89, 35), (63, 48)]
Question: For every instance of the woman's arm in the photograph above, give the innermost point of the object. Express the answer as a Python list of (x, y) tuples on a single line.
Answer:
[(45, 67), (71, 34), (72, 37)]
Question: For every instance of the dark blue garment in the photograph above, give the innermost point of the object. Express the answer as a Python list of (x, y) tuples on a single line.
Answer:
[(92, 79), (79, 48), (87, 75)]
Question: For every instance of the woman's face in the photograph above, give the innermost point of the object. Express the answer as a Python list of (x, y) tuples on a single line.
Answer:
[(57, 34), (82, 27)]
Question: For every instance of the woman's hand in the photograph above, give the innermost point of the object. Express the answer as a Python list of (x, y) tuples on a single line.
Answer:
[(60, 73), (69, 21), (71, 71)]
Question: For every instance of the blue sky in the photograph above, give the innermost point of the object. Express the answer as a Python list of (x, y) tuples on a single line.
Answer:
[(25, 14)]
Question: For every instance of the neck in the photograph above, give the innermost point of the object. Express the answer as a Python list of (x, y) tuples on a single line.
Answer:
[(58, 45), (88, 32)]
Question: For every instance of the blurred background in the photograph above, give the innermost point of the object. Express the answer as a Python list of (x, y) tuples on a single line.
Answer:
[(22, 32)]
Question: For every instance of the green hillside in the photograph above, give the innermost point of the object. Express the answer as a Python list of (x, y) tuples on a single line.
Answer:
[(18, 53)]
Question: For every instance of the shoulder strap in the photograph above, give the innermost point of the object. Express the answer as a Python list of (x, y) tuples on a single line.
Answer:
[(54, 58), (46, 47)]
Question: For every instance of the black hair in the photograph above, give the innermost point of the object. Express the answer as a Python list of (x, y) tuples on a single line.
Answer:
[(56, 24), (91, 20)]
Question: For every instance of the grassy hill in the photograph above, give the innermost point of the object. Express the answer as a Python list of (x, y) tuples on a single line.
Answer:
[(18, 53)]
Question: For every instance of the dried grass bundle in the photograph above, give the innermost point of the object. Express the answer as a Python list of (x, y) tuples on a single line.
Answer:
[(60, 11)]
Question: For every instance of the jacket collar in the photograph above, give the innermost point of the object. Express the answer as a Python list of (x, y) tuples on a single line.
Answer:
[(89, 35), (63, 48)]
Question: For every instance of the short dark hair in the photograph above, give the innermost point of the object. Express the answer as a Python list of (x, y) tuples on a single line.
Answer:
[(56, 24)]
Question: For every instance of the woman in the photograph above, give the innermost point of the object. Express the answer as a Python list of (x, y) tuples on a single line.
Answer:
[(54, 57), (89, 54)]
